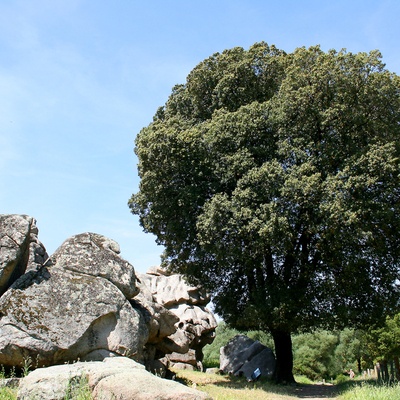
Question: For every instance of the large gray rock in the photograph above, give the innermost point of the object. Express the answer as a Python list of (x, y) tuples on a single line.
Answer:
[(20, 249), (160, 321), (114, 378), (195, 329), (75, 307), (96, 255), (242, 356), (172, 290), (194, 324)]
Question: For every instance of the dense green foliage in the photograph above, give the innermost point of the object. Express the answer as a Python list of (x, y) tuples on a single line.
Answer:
[(384, 342), (273, 179), (314, 355)]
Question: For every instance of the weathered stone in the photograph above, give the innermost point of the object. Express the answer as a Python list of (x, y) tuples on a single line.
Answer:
[(264, 360), (160, 321), (10, 382), (86, 302), (187, 358), (183, 366), (157, 270), (66, 311), (198, 322), (20, 250), (182, 304), (114, 378), (242, 356), (96, 255), (158, 367), (172, 290), (212, 371)]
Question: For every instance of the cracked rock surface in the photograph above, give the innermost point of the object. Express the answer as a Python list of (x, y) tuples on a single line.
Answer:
[(20, 248), (74, 307)]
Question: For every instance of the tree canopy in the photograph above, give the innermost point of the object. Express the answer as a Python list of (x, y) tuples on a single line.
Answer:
[(272, 179)]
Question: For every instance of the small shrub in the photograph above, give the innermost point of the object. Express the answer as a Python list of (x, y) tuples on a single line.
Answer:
[(2, 372), (341, 379), (26, 368), (78, 389)]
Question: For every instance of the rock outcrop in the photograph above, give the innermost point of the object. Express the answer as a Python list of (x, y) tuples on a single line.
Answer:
[(74, 307), (242, 356), (86, 303), (20, 249), (194, 324), (114, 378)]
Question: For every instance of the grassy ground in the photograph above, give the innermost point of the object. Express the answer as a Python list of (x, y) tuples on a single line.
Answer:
[(370, 390), (222, 387)]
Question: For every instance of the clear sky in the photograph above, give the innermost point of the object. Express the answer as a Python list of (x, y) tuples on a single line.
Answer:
[(80, 78)]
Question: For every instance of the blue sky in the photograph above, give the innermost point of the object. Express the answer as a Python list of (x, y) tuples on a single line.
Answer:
[(80, 78)]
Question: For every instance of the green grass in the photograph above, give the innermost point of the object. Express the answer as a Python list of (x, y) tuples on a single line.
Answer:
[(5, 392), (78, 389), (370, 390), (223, 387), (8, 394)]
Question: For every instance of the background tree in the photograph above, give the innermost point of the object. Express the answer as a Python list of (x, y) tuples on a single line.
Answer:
[(273, 180), (384, 348), (350, 350), (314, 355)]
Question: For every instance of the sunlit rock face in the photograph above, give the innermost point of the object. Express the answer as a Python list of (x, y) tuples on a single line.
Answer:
[(86, 303), (75, 306), (194, 324)]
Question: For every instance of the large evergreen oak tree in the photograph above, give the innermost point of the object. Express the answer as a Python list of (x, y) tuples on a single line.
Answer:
[(273, 180)]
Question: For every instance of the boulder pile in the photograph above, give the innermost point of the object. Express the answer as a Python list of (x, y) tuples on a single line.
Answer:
[(85, 302)]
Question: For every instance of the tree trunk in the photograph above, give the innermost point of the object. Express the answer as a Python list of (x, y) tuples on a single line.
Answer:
[(383, 371), (397, 367), (284, 357), (359, 365)]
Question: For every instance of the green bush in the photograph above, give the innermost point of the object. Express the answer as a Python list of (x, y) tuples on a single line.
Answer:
[(78, 389), (314, 355), (341, 379)]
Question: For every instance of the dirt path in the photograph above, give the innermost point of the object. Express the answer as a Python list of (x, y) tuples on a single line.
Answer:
[(315, 392)]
